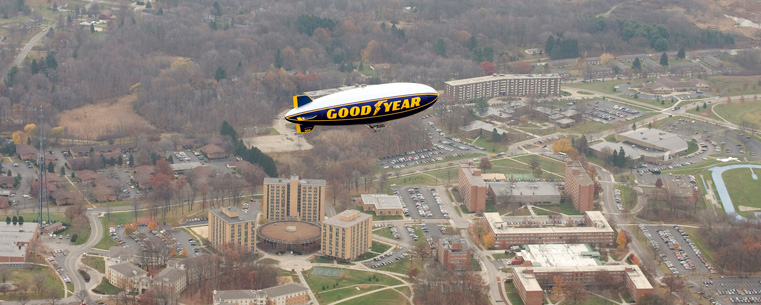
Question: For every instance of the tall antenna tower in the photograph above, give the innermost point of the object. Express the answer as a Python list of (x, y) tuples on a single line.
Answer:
[(42, 176)]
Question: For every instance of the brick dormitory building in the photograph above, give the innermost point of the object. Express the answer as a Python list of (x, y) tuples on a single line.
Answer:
[(472, 188), (579, 186), (596, 231), (503, 85)]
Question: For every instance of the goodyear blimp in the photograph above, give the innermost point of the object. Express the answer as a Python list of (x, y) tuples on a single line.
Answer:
[(370, 105)]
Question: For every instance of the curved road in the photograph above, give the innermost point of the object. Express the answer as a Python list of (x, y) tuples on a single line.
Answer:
[(73, 258), (25, 51)]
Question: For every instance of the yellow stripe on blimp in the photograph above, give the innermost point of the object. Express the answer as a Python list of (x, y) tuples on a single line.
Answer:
[(296, 101), (357, 112)]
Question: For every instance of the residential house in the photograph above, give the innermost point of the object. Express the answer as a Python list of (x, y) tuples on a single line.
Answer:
[(97, 150), (652, 66), (128, 277), (172, 279), (632, 57), (62, 197), (105, 189), (87, 176), (7, 182), (288, 294), (689, 69), (26, 152), (213, 151), (142, 176), (713, 62)]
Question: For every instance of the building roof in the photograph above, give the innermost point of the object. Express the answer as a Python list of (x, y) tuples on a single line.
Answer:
[(183, 166), (663, 140), (169, 274), (473, 180), (560, 255), (496, 77), (476, 125), (499, 226), (25, 149), (230, 296), (11, 235), (244, 215), (128, 269), (565, 121), (528, 279), (213, 149), (582, 178), (122, 253), (447, 241), (634, 152), (382, 201), (315, 182), (286, 289), (524, 188), (347, 219), (87, 174)]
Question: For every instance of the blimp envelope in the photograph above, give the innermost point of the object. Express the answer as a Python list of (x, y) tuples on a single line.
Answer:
[(368, 105)]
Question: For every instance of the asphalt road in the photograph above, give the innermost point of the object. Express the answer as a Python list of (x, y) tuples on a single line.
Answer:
[(72, 258)]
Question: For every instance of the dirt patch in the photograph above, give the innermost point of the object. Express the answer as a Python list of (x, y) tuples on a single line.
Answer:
[(201, 231), (282, 280), (113, 118), (743, 208)]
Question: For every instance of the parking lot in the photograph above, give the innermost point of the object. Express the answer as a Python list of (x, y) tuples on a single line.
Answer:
[(443, 147), (605, 111), (178, 239), (676, 249), (421, 202), (729, 290), (406, 233)]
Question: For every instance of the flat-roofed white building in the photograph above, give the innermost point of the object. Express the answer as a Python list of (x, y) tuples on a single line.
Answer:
[(382, 204), (524, 193), (655, 139), (597, 230), (503, 85)]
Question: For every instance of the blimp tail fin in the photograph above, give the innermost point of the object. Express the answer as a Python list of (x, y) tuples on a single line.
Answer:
[(301, 128), (301, 100)]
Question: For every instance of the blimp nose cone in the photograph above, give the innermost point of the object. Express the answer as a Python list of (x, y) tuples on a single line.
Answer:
[(291, 113)]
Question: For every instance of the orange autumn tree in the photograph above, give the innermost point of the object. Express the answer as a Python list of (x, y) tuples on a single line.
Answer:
[(488, 240), (621, 239)]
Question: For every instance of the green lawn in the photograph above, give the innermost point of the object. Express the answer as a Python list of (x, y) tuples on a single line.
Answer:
[(28, 275), (737, 85), (413, 179), (336, 288), (384, 297), (563, 208), (698, 241), (501, 255), (743, 189), (737, 112), (107, 288), (594, 300), (322, 260), (588, 127), (508, 166), (268, 261), (486, 142), (604, 87), (379, 247), (693, 169), (384, 232), (546, 164), (95, 262), (628, 197), (403, 266), (512, 294)]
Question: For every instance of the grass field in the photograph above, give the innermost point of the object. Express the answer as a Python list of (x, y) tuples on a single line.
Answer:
[(384, 232), (512, 294), (95, 262), (379, 247), (91, 122), (547, 165), (490, 146), (388, 296), (628, 197), (736, 85), (403, 266), (743, 189), (107, 288), (604, 87), (113, 220), (737, 112), (51, 282), (334, 288)]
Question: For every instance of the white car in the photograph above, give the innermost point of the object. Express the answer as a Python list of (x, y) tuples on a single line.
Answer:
[(26, 196)]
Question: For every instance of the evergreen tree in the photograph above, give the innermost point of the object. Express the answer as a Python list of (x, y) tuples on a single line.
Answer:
[(697, 108), (21, 220), (92, 27), (160, 11), (220, 74), (148, 5), (15, 220), (634, 126), (549, 44), (495, 136), (680, 54), (120, 160), (10, 78), (622, 158), (614, 158), (33, 67), (637, 65), (63, 171), (664, 59), (704, 105), (51, 167), (131, 160), (278, 59), (228, 130), (440, 48), (7, 220)]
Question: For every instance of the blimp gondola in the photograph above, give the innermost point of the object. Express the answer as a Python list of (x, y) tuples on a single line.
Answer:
[(369, 105)]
